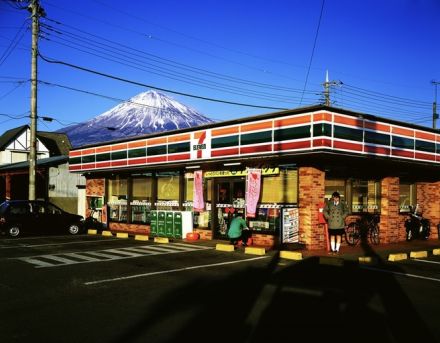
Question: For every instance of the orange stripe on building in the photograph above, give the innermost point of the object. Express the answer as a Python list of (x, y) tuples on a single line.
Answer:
[(138, 144), (179, 138), (403, 132), (293, 121), (425, 135), (88, 151), (74, 153), (119, 147), (103, 149), (348, 121), (225, 131), (376, 126), (256, 126), (155, 141), (322, 116)]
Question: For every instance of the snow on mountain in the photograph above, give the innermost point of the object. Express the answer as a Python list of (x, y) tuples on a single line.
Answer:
[(147, 112)]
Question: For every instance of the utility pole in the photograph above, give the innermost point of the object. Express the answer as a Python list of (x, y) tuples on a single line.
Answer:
[(36, 11), (327, 85), (434, 105)]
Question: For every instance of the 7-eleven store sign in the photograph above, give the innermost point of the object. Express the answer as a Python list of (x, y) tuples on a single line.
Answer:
[(201, 144)]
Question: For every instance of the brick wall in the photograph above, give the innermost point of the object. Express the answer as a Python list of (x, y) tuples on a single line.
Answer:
[(428, 197), (130, 228), (391, 225), (311, 194), (95, 187)]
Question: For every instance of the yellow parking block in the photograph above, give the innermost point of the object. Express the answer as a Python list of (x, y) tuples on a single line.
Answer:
[(436, 252), (224, 247), (367, 259), (92, 232), (397, 257), (291, 255), (141, 237), (107, 233), (121, 235), (161, 240), (255, 251), (418, 254)]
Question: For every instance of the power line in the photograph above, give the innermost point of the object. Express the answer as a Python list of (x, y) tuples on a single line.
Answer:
[(313, 50), (159, 59), (154, 87)]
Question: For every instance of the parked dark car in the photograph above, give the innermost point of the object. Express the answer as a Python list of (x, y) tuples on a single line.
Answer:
[(18, 217)]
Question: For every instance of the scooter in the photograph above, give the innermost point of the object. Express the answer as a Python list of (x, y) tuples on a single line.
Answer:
[(417, 226)]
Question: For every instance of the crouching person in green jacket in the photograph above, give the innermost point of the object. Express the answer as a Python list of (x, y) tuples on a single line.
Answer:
[(238, 230)]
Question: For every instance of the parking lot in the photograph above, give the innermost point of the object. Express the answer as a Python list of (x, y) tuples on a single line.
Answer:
[(92, 288)]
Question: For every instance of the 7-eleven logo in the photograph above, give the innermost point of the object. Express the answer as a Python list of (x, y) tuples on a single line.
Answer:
[(201, 144)]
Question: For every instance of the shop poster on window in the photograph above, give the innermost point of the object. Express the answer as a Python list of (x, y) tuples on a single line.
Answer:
[(290, 225), (253, 185), (199, 203)]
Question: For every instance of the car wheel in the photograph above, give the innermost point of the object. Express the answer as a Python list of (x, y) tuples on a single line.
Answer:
[(14, 231), (74, 229)]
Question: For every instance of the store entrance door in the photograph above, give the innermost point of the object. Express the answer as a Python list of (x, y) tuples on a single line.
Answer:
[(229, 200)]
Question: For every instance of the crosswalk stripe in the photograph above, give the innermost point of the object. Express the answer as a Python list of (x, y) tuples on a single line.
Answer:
[(82, 257), (61, 259), (35, 261)]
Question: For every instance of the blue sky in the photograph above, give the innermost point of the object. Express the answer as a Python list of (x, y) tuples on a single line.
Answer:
[(255, 52)]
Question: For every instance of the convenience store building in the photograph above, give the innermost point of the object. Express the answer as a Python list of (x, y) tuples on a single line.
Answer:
[(303, 155)]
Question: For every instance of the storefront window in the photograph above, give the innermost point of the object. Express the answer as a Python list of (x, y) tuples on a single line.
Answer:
[(407, 196), (141, 199), (335, 185), (168, 191), (282, 188), (365, 196), (117, 194)]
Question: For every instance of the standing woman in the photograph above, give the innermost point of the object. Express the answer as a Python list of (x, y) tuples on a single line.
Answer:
[(335, 211)]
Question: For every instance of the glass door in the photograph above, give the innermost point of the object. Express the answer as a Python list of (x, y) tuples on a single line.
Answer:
[(230, 199)]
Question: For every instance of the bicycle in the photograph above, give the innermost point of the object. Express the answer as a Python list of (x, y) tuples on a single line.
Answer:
[(366, 227)]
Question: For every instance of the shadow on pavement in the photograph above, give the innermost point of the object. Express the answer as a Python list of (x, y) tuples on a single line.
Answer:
[(314, 299)]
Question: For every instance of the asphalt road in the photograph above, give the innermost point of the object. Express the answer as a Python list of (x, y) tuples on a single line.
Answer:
[(100, 289)]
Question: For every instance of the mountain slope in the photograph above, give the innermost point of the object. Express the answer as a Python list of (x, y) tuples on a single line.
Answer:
[(147, 112)]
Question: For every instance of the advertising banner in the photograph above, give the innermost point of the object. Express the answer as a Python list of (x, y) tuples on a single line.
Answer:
[(253, 185), (199, 203)]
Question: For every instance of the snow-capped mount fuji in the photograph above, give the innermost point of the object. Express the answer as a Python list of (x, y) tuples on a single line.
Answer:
[(147, 112)]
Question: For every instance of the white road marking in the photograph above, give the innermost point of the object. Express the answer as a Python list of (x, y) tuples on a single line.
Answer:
[(52, 244), (64, 259), (170, 271), (402, 274), (426, 261)]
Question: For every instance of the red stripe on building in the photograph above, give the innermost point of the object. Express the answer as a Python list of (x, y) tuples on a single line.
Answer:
[(257, 148), (224, 152), (347, 146), (179, 157), (75, 167), (156, 159), (376, 150), (102, 164), (88, 166), (142, 160), (292, 145), (322, 142), (427, 157), (403, 153), (119, 163)]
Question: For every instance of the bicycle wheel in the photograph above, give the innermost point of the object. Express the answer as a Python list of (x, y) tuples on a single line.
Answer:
[(352, 233), (374, 234)]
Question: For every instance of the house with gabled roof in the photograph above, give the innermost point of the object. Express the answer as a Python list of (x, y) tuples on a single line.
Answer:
[(54, 182)]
